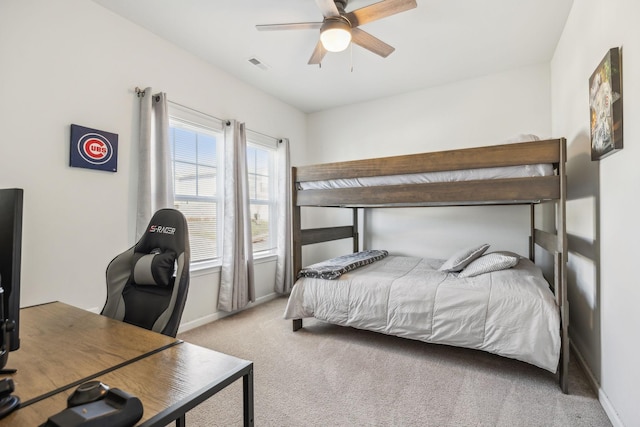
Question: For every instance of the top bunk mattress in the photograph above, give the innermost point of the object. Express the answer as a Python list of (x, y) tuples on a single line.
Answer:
[(524, 171)]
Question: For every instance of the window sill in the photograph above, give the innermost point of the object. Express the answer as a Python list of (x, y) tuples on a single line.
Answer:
[(208, 267)]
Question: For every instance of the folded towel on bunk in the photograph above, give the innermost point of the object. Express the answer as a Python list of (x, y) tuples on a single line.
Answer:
[(335, 267)]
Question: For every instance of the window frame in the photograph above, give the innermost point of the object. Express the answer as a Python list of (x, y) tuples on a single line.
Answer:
[(189, 119)]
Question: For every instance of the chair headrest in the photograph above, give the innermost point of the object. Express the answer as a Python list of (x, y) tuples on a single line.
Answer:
[(167, 231)]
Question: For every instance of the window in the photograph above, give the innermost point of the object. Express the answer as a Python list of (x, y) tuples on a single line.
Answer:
[(260, 169), (197, 143), (196, 152)]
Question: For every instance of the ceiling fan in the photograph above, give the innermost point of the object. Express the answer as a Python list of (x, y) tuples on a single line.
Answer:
[(339, 28)]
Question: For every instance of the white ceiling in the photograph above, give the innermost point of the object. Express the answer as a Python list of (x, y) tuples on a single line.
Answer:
[(438, 42)]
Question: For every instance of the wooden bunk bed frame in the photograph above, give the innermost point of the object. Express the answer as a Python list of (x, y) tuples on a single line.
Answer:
[(520, 191)]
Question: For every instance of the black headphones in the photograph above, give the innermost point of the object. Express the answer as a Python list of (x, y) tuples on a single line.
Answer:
[(8, 402)]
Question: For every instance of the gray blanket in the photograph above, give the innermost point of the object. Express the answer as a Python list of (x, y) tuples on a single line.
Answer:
[(335, 267)]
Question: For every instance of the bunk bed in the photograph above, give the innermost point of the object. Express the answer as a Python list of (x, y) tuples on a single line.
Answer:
[(525, 173)]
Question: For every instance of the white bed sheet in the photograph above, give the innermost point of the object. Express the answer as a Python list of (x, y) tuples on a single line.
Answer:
[(511, 313), (431, 177)]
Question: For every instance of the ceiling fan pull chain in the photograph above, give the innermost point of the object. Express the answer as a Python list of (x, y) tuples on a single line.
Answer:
[(351, 54)]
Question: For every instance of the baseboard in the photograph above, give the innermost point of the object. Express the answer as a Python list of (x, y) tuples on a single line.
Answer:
[(609, 409), (595, 385), (95, 310), (184, 327)]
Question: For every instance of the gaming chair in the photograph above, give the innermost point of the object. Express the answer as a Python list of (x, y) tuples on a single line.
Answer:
[(147, 285)]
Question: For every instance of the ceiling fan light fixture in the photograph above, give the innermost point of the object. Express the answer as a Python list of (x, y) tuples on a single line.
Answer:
[(335, 34)]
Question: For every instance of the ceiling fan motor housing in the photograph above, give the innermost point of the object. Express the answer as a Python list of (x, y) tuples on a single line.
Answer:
[(341, 5)]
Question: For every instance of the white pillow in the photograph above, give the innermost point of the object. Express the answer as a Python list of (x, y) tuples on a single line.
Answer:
[(462, 258), (494, 261)]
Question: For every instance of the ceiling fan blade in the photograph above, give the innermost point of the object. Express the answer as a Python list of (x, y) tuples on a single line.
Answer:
[(369, 42), (328, 8), (292, 26), (378, 11), (318, 53)]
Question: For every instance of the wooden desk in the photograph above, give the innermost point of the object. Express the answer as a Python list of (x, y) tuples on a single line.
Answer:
[(63, 346)]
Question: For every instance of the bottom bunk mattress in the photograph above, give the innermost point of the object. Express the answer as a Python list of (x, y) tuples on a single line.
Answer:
[(510, 312)]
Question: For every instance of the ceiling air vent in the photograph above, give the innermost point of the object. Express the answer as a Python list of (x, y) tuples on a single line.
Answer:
[(255, 61)]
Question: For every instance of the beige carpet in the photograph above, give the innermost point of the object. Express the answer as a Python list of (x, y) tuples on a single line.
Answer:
[(326, 375)]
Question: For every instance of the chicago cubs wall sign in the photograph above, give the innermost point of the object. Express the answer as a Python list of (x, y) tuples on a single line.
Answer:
[(93, 149)]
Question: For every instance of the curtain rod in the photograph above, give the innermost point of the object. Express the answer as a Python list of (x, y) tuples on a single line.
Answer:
[(140, 93), (279, 140), (227, 122)]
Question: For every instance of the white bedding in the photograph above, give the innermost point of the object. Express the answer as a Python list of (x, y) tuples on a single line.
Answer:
[(425, 178), (511, 312)]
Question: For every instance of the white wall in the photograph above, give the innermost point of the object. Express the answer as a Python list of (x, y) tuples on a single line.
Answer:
[(483, 111), (72, 61), (603, 206)]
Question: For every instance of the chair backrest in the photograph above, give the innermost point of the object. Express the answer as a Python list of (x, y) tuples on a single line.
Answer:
[(147, 284)]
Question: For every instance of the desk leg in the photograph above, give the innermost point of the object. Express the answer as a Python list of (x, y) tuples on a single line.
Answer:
[(247, 386), (181, 422)]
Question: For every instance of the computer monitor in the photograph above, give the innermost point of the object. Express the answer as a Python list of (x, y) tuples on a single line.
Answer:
[(10, 260)]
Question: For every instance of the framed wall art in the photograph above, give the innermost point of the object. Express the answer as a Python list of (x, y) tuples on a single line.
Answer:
[(605, 103), (93, 149)]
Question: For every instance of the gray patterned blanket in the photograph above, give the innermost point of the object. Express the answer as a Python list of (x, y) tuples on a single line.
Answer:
[(335, 267)]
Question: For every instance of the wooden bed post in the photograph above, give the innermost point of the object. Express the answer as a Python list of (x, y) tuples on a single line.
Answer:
[(296, 223), (356, 236), (562, 268), (296, 232), (563, 369), (532, 247)]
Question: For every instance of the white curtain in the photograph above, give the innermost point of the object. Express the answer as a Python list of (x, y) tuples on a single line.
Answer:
[(155, 174), (236, 281), (284, 268)]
